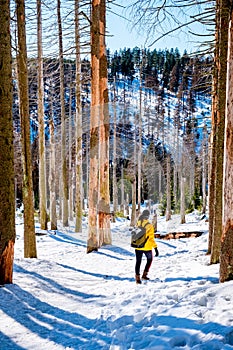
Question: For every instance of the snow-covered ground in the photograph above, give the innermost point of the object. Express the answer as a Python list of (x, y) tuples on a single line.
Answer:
[(67, 299)]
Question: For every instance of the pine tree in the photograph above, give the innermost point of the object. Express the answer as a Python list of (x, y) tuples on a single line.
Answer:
[(41, 128), (28, 198), (226, 257), (7, 192)]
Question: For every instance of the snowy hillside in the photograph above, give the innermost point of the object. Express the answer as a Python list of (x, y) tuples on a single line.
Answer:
[(67, 299)]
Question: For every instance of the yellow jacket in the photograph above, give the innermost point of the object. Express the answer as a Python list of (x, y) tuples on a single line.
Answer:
[(150, 243)]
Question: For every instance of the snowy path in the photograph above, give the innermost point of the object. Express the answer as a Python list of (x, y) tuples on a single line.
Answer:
[(67, 299)]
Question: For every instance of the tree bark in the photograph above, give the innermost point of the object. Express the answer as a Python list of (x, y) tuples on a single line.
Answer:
[(28, 198), (78, 111), (204, 169), (104, 204), (64, 178), (42, 163), (92, 241), (182, 198), (168, 208), (226, 257), (221, 100), (7, 190), (52, 178), (99, 199), (114, 175)]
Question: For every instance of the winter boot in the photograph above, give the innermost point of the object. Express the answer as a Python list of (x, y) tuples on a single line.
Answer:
[(144, 275), (137, 278)]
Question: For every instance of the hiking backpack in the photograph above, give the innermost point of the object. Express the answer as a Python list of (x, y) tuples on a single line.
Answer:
[(138, 236)]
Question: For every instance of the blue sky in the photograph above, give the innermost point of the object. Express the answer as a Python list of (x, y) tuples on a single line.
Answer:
[(122, 33)]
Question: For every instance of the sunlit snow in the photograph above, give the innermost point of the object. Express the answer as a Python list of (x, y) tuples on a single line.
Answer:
[(67, 299)]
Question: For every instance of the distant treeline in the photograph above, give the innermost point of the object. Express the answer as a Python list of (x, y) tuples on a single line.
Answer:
[(161, 68)]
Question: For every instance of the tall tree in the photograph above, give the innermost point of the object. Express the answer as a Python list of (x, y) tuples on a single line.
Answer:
[(93, 241), (42, 163), (212, 143), (114, 160), (223, 9), (79, 195), (168, 207), (226, 257), (28, 198), (64, 182), (104, 204), (52, 178), (7, 191), (139, 160), (204, 168), (99, 201)]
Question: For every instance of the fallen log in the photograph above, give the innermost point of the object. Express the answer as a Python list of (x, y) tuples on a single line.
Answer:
[(178, 235)]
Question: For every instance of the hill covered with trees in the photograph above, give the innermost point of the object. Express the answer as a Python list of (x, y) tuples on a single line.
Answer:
[(170, 93)]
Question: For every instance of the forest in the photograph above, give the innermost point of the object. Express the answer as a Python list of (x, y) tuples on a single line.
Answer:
[(90, 132)]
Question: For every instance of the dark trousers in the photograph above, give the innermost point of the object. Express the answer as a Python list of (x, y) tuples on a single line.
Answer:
[(149, 257)]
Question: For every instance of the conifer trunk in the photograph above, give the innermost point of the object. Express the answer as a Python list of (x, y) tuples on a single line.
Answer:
[(99, 201), (114, 175), (104, 204), (7, 191), (71, 183), (182, 198), (204, 169), (42, 163), (52, 178), (139, 160), (28, 198), (64, 178), (93, 242), (168, 208), (220, 119), (226, 257), (78, 111)]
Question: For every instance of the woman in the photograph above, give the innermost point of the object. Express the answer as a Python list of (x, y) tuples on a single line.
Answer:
[(147, 249)]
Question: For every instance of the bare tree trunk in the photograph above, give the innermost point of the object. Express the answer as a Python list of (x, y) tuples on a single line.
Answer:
[(221, 94), (104, 204), (175, 176), (42, 163), (79, 174), (168, 209), (99, 200), (133, 182), (133, 214), (52, 178), (114, 177), (226, 257), (93, 241), (182, 198), (7, 189), (122, 189), (139, 160), (63, 123), (212, 143), (204, 170), (28, 198), (71, 184), (160, 182)]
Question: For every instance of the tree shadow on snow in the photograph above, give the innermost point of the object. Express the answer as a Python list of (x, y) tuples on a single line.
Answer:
[(63, 237), (69, 329), (7, 343), (99, 275), (189, 279), (53, 286), (168, 332)]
